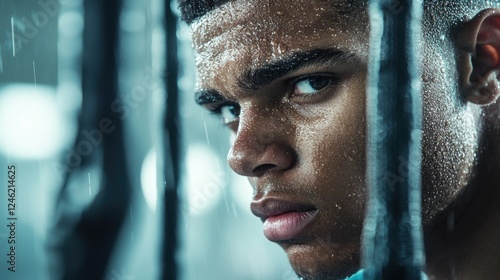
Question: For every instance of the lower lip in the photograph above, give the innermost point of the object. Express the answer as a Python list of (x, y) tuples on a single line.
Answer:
[(287, 226)]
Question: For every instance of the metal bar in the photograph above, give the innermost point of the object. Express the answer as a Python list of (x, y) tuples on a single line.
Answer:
[(171, 146), (89, 242), (393, 246)]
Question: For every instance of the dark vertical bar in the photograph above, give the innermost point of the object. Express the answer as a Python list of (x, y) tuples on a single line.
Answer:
[(88, 242), (393, 247), (171, 147)]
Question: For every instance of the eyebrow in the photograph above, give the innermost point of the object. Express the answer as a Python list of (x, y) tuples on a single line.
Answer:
[(259, 77), (208, 96), (254, 79)]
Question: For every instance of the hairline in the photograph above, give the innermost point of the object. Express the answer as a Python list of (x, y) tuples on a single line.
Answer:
[(189, 14), (340, 8)]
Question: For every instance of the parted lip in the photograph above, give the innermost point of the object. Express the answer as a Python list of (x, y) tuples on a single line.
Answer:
[(270, 206)]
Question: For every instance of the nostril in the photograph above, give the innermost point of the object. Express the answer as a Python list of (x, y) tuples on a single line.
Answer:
[(263, 168)]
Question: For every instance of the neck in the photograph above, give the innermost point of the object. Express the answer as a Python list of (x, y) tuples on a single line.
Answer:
[(467, 242)]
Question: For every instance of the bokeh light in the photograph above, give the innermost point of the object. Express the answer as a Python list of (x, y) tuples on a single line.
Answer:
[(32, 124)]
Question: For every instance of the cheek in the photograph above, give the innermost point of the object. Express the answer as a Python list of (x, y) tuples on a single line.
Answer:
[(450, 143), (333, 149)]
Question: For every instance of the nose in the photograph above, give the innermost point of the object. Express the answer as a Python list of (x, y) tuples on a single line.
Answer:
[(261, 146)]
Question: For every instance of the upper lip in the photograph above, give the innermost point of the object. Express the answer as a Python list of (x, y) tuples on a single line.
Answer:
[(268, 207)]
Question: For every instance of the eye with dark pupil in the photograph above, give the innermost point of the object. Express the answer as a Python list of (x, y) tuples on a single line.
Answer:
[(311, 85), (318, 83), (234, 110), (229, 113)]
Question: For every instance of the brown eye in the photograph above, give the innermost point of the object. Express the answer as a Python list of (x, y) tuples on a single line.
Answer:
[(229, 113), (311, 85)]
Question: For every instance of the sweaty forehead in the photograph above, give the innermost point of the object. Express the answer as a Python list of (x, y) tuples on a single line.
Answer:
[(251, 32), (236, 14)]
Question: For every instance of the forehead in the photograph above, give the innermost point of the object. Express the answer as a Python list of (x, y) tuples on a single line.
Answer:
[(244, 34)]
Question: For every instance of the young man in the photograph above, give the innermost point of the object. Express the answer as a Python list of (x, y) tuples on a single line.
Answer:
[(288, 78)]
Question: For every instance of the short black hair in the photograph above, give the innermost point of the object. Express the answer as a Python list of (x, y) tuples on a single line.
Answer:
[(192, 10)]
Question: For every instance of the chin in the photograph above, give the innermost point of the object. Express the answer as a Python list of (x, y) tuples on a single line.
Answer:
[(324, 263)]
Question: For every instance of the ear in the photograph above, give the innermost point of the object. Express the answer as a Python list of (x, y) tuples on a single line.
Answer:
[(479, 42)]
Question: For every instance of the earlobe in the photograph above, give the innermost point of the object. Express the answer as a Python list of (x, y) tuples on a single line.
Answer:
[(479, 38)]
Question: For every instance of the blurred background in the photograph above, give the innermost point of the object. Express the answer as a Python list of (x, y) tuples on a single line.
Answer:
[(61, 161)]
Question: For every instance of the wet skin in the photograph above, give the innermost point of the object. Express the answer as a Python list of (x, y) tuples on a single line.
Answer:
[(289, 81)]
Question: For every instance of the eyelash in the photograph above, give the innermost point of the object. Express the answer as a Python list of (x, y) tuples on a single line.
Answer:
[(217, 110), (334, 80), (290, 86)]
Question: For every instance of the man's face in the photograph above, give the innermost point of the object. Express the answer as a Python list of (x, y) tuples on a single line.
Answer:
[(288, 77)]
